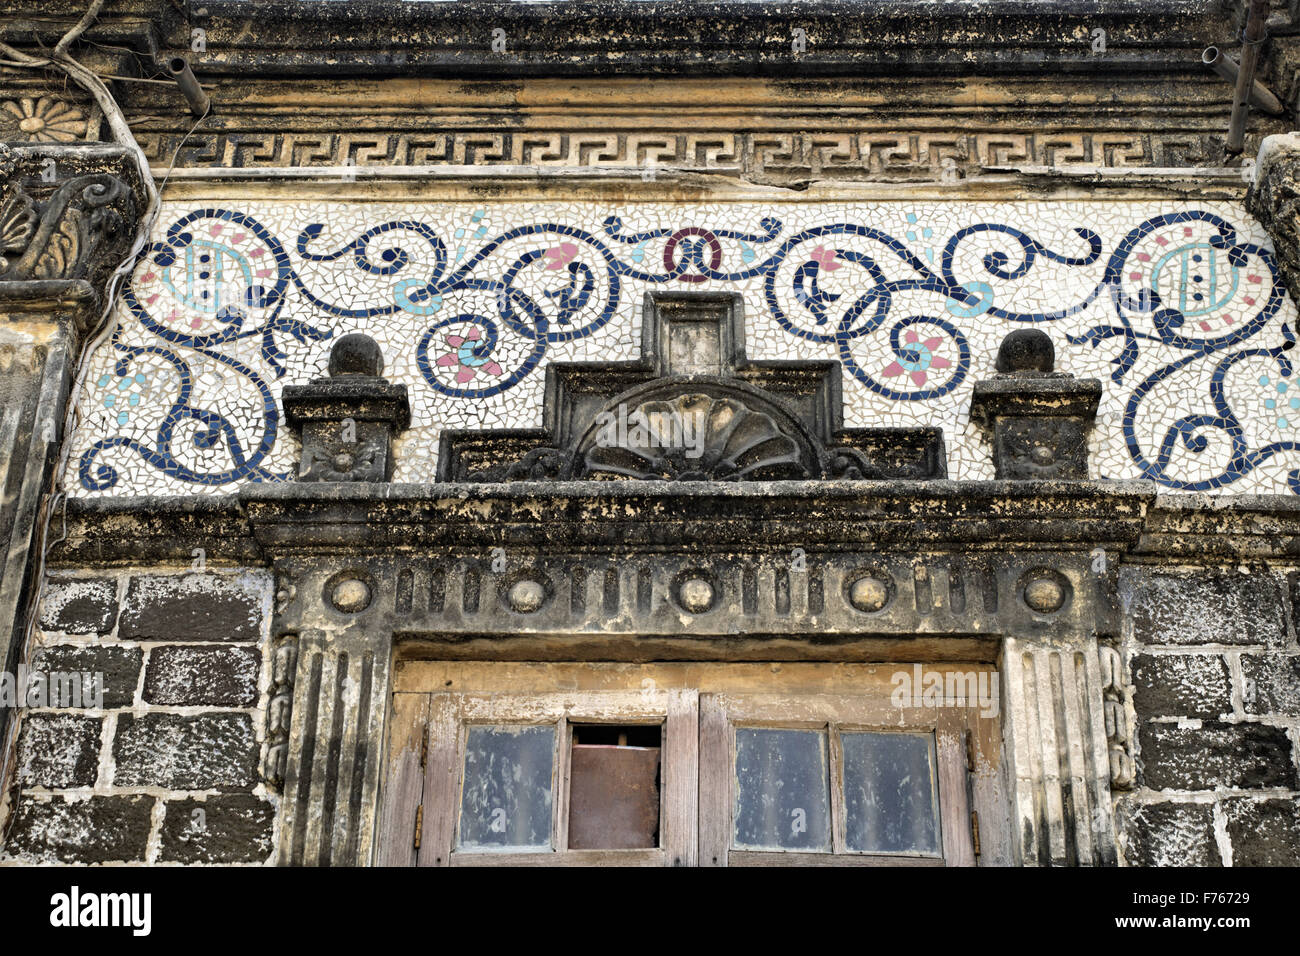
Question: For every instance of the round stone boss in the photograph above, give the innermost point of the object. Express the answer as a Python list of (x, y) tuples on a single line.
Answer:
[(525, 590), (869, 591), (1046, 590), (695, 591), (526, 595), (349, 591)]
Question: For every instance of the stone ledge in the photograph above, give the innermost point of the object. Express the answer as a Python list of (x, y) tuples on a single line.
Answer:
[(1147, 526), (263, 520), (668, 36), (1205, 526)]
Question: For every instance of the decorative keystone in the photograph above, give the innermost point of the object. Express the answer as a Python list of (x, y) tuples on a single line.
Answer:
[(1037, 420), (349, 419)]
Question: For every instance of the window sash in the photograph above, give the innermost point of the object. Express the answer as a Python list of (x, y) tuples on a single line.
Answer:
[(452, 714), (721, 714), (697, 705)]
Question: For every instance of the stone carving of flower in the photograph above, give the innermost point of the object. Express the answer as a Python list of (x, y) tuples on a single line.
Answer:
[(44, 120), (463, 358), (344, 463), (916, 358)]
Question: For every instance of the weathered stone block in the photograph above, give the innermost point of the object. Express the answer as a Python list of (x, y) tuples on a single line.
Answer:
[(194, 676), (1214, 755), (118, 666), (1211, 606), (1272, 684), (192, 607), (1181, 685), (1167, 834), (58, 750), (97, 830), (227, 829), (79, 605), (210, 751), (1264, 832)]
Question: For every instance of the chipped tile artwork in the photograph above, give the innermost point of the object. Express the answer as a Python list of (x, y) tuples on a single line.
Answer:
[(1177, 308)]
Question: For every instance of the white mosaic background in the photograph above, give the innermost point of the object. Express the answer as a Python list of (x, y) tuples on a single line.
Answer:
[(184, 399)]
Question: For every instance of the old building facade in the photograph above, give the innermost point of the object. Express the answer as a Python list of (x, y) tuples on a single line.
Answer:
[(648, 432)]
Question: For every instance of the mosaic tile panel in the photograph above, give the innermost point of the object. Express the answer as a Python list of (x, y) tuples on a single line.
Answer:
[(1176, 307)]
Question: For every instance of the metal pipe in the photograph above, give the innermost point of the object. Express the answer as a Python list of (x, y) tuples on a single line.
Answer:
[(179, 68), (1261, 97), (1252, 38)]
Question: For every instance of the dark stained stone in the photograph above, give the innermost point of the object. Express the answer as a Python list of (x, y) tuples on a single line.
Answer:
[(234, 828), (79, 605), (58, 750), (208, 751), (195, 676), (97, 830), (192, 607)]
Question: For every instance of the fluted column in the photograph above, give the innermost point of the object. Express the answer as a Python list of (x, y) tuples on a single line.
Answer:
[(1059, 764), (331, 777)]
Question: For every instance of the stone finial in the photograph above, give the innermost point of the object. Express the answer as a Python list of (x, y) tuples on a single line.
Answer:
[(348, 419), (356, 354), (1037, 420), (1026, 350)]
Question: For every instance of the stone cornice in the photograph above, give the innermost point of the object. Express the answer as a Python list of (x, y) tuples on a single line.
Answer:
[(669, 35), (1201, 528), (265, 521), (292, 37)]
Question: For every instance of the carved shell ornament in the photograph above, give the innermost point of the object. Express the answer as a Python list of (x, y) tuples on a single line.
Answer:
[(43, 120), (692, 437), (18, 221)]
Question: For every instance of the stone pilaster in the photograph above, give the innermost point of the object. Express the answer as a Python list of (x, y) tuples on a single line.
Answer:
[(331, 668), (331, 661), (1058, 760), (68, 216), (331, 782)]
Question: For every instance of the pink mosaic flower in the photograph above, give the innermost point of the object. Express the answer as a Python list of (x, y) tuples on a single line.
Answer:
[(560, 255), (916, 357), (463, 359), (825, 258)]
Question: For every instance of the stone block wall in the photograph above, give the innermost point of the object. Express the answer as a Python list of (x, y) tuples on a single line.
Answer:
[(1214, 667), (167, 770)]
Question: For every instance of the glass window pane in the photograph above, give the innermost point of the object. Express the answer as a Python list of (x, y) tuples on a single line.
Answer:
[(506, 797), (782, 790), (889, 793)]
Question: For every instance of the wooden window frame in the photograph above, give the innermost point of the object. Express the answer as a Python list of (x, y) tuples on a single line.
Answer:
[(450, 715), (722, 714), (699, 706)]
